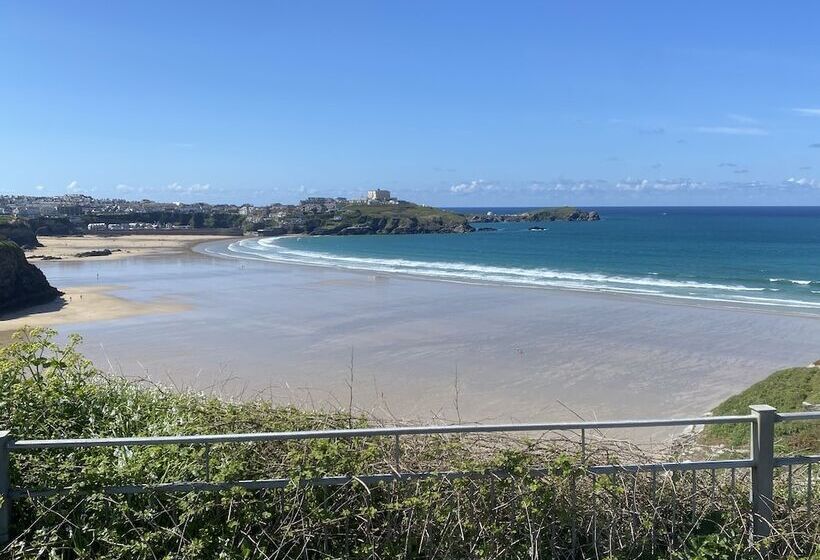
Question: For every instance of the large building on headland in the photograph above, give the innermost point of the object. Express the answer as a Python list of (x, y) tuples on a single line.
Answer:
[(378, 195)]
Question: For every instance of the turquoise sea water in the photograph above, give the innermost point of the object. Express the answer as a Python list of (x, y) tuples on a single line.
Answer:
[(752, 256)]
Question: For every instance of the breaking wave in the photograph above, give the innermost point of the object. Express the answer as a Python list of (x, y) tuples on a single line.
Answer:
[(269, 249)]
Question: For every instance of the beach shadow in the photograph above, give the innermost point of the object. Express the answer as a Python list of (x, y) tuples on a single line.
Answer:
[(54, 305)]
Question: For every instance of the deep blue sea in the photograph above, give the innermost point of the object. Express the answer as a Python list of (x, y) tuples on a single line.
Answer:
[(757, 256)]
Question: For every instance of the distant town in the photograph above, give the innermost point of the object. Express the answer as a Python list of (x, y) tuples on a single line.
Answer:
[(378, 212), (79, 212)]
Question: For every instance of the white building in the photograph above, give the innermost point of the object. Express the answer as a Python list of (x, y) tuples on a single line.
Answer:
[(97, 227), (378, 195)]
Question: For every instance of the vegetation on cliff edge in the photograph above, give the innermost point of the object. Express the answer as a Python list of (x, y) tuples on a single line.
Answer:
[(49, 391), (786, 390)]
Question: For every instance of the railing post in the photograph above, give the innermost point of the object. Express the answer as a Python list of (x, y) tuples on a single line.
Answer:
[(762, 453), (5, 509)]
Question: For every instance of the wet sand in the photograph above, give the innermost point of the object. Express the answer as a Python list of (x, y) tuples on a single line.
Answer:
[(84, 304), (421, 349)]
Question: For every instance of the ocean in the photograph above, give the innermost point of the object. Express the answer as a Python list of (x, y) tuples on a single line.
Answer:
[(750, 256)]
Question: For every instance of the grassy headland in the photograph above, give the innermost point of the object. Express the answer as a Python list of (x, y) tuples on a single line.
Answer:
[(787, 390), (359, 219)]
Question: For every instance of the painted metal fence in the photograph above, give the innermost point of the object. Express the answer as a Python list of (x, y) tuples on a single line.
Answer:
[(761, 462)]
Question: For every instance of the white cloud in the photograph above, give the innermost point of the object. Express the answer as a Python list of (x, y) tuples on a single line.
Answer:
[(801, 182), (473, 186), (39, 188), (593, 191), (627, 185), (807, 112), (733, 130), (566, 185), (128, 189), (73, 187), (659, 185), (196, 188)]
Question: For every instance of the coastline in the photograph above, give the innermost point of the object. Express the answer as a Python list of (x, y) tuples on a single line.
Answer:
[(289, 333), (84, 304), (242, 327), (203, 249), (95, 303), (65, 248)]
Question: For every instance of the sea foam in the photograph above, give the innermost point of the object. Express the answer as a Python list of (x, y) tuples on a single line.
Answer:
[(269, 249)]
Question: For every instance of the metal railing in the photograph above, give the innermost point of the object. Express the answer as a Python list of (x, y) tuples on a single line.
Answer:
[(761, 462)]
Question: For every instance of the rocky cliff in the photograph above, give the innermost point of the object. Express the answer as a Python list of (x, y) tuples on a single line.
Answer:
[(21, 283), (402, 218), (20, 232), (395, 225)]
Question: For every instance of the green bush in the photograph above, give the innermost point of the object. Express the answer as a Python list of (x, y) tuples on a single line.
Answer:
[(50, 391), (786, 390)]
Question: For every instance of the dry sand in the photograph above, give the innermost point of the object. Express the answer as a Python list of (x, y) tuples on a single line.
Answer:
[(66, 248)]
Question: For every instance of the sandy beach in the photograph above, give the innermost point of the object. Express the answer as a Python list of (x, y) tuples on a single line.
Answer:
[(82, 304), (420, 349), (121, 246)]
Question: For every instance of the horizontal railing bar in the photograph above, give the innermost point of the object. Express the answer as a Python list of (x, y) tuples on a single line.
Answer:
[(263, 484), (796, 416), (798, 460), (678, 466), (368, 432)]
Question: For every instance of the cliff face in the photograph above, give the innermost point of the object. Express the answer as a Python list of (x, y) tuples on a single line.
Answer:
[(395, 225), (21, 233), (21, 283), (402, 218)]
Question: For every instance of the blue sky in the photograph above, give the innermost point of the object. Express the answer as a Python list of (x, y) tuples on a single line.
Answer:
[(449, 103)]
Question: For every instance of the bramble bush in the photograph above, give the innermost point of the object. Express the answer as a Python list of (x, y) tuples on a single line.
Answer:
[(49, 391)]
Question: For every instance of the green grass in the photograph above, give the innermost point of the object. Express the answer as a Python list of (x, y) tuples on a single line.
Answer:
[(786, 390), (402, 210), (559, 213)]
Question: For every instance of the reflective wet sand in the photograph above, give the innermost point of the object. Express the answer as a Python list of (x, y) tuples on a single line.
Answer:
[(428, 349)]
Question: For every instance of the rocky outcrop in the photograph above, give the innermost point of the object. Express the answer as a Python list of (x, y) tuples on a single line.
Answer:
[(563, 214), (574, 215), (21, 283), (20, 232), (94, 253)]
